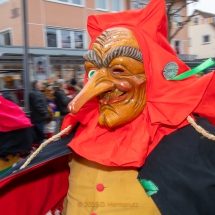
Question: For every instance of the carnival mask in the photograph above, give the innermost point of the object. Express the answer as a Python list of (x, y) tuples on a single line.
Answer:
[(116, 76)]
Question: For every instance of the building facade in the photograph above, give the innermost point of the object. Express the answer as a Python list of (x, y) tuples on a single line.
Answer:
[(201, 33), (57, 35)]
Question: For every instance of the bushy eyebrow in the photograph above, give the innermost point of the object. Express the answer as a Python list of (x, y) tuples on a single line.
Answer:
[(92, 57), (119, 51)]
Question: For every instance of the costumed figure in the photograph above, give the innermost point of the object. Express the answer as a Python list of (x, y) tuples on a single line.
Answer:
[(139, 133), (17, 134)]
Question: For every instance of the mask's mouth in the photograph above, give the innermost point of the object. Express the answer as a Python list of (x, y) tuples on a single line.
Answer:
[(111, 97)]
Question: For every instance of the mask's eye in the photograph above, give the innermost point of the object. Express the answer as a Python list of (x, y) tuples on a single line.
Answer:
[(116, 71), (90, 74)]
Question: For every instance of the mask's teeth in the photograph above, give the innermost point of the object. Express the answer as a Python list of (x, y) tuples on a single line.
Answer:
[(112, 94), (107, 96)]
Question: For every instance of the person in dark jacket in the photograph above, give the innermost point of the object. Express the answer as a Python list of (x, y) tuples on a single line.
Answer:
[(38, 106), (62, 100)]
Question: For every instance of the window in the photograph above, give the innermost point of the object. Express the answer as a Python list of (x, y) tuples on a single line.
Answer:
[(77, 2), (177, 45), (3, 1), (196, 21), (65, 38), (206, 39), (135, 4), (79, 40), (177, 16), (51, 35), (116, 5), (5, 38), (101, 4)]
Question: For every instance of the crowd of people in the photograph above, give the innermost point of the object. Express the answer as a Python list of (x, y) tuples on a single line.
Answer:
[(48, 104), (48, 101)]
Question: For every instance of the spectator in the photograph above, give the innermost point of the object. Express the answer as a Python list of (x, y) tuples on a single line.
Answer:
[(81, 83), (71, 92), (62, 100), (50, 127), (11, 96), (38, 106), (75, 86)]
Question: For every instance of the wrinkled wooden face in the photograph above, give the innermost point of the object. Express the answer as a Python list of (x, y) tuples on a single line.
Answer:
[(116, 76)]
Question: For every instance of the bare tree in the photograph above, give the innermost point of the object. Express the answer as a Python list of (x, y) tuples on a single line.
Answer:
[(174, 11), (174, 14)]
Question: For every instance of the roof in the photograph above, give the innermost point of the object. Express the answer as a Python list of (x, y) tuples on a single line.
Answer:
[(205, 15)]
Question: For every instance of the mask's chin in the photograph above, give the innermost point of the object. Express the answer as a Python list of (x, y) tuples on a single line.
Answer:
[(114, 115), (108, 118), (112, 105), (120, 113)]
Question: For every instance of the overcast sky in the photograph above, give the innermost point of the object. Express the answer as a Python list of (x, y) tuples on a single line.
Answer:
[(204, 5)]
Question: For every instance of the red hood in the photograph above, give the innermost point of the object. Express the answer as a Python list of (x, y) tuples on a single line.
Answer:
[(168, 102)]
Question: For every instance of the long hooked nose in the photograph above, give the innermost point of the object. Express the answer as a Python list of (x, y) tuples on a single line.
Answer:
[(94, 87)]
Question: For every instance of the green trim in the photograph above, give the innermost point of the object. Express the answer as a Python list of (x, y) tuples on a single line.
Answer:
[(148, 186), (5, 170), (203, 66)]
